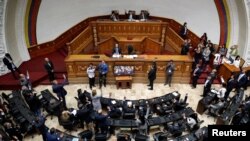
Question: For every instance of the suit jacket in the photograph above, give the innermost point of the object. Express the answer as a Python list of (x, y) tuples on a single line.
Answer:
[(49, 66), (207, 87), (242, 81), (197, 73), (119, 50), (152, 74), (170, 68), (59, 90), (230, 84), (52, 137), (8, 63)]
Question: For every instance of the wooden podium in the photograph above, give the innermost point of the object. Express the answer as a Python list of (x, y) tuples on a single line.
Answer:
[(124, 82)]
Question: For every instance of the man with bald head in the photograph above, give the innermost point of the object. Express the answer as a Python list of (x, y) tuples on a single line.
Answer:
[(50, 69)]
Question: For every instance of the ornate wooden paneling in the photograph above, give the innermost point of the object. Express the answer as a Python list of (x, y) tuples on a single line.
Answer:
[(77, 65), (174, 39), (152, 47), (81, 41), (106, 29)]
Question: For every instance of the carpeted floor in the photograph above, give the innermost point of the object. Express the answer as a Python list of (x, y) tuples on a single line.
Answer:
[(36, 69)]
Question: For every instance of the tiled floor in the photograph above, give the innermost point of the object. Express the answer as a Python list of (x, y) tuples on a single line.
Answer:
[(138, 91)]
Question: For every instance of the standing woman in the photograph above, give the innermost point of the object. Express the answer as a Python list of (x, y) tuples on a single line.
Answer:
[(96, 101), (91, 75)]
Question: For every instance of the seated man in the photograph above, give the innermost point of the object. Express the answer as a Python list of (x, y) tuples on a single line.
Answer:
[(114, 112), (191, 121), (175, 129), (114, 16), (144, 15), (117, 50), (215, 108), (130, 15), (130, 49)]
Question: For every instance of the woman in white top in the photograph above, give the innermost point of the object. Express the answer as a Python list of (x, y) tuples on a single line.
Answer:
[(237, 61)]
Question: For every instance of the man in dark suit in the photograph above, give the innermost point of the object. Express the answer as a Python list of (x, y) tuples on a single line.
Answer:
[(50, 69), (117, 50), (230, 86), (7, 60), (151, 76), (52, 136), (169, 72), (196, 75), (207, 86), (101, 122), (184, 30), (241, 80), (60, 91)]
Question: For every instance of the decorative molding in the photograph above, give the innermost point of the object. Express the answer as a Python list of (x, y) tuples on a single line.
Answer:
[(3, 48)]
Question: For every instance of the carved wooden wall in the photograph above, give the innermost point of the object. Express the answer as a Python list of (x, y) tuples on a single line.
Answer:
[(174, 39), (107, 29), (81, 41), (77, 64)]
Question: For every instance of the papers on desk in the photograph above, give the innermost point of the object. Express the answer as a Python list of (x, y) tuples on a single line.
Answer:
[(116, 55), (130, 56)]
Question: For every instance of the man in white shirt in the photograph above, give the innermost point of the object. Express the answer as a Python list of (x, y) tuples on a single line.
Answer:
[(237, 62), (91, 75), (222, 91), (190, 121)]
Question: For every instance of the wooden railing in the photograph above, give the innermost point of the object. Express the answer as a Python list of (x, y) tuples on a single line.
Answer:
[(174, 40), (152, 46), (81, 41), (106, 46)]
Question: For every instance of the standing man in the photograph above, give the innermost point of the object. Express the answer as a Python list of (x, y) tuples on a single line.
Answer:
[(7, 60), (230, 86), (103, 70), (169, 73), (196, 75), (207, 86), (152, 76), (60, 91), (91, 75), (50, 69), (184, 31), (241, 80)]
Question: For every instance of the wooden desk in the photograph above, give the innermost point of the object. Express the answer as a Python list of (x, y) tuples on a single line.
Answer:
[(124, 82), (77, 65), (226, 70)]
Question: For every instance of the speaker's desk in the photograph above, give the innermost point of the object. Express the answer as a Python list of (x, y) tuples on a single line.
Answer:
[(77, 66), (124, 82)]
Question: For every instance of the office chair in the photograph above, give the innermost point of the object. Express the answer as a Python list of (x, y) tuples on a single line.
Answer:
[(87, 134), (100, 137), (139, 137), (123, 137), (160, 136), (128, 115)]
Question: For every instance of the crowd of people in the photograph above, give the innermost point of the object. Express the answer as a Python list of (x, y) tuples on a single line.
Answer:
[(90, 111)]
